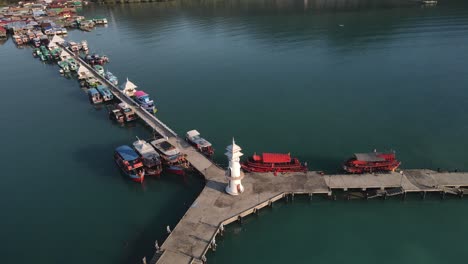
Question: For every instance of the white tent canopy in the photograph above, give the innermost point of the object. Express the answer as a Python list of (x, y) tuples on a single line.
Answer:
[(83, 72), (53, 43), (129, 85)]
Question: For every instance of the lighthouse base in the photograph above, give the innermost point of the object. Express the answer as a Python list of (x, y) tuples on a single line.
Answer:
[(234, 189)]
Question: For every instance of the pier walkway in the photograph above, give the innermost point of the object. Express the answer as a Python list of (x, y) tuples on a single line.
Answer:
[(196, 232)]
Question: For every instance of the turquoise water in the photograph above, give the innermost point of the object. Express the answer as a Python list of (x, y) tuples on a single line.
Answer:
[(319, 79)]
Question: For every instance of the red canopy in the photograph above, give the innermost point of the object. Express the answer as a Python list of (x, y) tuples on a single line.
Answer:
[(276, 158)]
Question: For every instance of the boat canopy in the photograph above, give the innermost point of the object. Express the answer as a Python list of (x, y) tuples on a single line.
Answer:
[(93, 91), (195, 137), (165, 147), (370, 157), (129, 85), (127, 153), (55, 40), (145, 149), (273, 158), (140, 94)]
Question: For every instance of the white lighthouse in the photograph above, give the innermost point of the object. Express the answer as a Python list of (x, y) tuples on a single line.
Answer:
[(233, 173)]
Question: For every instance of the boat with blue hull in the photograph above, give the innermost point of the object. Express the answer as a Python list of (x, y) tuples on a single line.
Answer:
[(144, 101), (130, 163)]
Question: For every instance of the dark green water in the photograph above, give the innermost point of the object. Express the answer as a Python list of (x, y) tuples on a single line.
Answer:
[(320, 79)]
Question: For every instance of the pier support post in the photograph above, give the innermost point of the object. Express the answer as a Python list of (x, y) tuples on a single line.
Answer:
[(144, 260), (240, 219), (348, 196), (385, 196), (404, 196), (156, 246), (213, 244), (460, 193), (292, 197), (203, 259), (310, 196), (270, 203), (221, 230), (168, 229), (443, 195), (423, 195), (334, 197)]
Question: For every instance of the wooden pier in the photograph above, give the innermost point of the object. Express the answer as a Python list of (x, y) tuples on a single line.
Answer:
[(196, 232)]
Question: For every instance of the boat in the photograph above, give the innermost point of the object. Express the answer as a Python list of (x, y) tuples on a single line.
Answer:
[(173, 160), (128, 88), (105, 93), (84, 45), (73, 46), (130, 163), (90, 82), (111, 78), (429, 2), (73, 64), (94, 96), (99, 69), (64, 66), (96, 59), (18, 40), (150, 157), (201, 144), (117, 115), (371, 162), (273, 162), (128, 112), (144, 101), (36, 42), (100, 21), (44, 40)]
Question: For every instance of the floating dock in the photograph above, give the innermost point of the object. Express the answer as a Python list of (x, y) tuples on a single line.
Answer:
[(196, 232)]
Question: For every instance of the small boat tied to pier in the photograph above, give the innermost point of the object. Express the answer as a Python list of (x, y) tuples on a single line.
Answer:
[(94, 96), (173, 160), (130, 163), (151, 159), (193, 137), (143, 99), (273, 162), (371, 162)]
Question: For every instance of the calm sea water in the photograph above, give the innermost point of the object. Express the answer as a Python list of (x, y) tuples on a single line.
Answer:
[(319, 79)]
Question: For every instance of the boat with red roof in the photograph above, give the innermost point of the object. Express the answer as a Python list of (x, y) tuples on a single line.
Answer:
[(371, 162), (273, 162)]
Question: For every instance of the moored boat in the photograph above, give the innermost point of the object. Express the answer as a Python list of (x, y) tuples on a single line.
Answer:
[(273, 162), (130, 163), (84, 45), (111, 78), (151, 159), (73, 64), (117, 115), (64, 66), (173, 160), (371, 162), (201, 144), (94, 96), (144, 101), (105, 93), (127, 112), (99, 69)]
